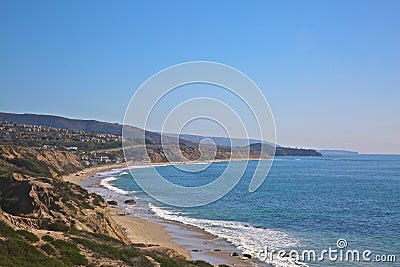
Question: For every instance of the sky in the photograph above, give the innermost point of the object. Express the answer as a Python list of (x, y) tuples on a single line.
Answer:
[(329, 69)]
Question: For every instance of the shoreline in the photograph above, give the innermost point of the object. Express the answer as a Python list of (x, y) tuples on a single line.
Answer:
[(80, 176), (191, 242)]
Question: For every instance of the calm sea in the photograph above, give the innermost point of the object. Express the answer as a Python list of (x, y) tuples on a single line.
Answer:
[(306, 203)]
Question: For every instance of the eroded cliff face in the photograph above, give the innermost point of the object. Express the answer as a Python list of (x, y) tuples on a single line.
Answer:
[(51, 204), (38, 161), (57, 223), (171, 153), (32, 195)]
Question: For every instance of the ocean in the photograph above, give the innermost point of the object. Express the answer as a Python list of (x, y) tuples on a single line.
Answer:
[(328, 203)]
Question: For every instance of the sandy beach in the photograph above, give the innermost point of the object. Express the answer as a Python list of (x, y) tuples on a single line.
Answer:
[(191, 242)]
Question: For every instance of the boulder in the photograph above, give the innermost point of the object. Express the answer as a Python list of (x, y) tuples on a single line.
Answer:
[(112, 202), (130, 201)]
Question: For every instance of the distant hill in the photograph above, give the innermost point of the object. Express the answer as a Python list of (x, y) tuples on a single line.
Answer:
[(64, 123), (152, 138), (330, 152), (78, 125), (284, 151), (219, 141)]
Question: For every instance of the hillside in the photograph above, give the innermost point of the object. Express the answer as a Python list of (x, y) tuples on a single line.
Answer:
[(219, 141), (45, 221), (63, 123), (38, 162), (48, 222), (77, 125), (330, 152), (86, 149), (135, 134), (285, 151)]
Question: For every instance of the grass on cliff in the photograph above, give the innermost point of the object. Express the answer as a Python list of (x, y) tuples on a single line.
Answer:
[(127, 254), (16, 251), (70, 254), (31, 237), (108, 247), (49, 249)]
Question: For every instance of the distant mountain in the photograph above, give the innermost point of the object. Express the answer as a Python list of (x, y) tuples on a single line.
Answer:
[(330, 152), (78, 125), (152, 138), (219, 141), (284, 151), (64, 123)]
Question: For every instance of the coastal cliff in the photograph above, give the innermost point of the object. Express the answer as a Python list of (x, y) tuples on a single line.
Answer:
[(45, 221), (38, 161), (43, 203)]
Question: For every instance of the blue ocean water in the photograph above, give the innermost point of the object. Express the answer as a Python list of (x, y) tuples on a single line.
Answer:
[(305, 203)]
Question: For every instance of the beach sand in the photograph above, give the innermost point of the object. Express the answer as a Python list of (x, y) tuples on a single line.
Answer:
[(191, 242), (141, 231), (81, 176)]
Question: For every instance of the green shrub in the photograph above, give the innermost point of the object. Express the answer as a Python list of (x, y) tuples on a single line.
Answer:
[(69, 253), (31, 164), (106, 238), (49, 249), (47, 238), (6, 230), (17, 252), (108, 251), (28, 235)]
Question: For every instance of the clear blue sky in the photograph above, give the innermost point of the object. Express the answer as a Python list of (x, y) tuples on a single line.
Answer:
[(329, 69)]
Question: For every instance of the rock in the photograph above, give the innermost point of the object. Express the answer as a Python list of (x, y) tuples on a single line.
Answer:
[(130, 201), (76, 227), (167, 252), (216, 250), (246, 255), (234, 254), (112, 202)]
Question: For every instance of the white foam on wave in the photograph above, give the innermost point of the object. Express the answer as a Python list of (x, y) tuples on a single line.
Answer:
[(147, 166), (248, 239), (123, 173), (106, 183)]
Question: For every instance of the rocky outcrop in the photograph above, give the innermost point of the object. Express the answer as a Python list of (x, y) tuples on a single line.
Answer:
[(38, 161), (44, 203)]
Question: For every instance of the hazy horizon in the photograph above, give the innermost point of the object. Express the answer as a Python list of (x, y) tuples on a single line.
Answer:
[(208, 135)]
